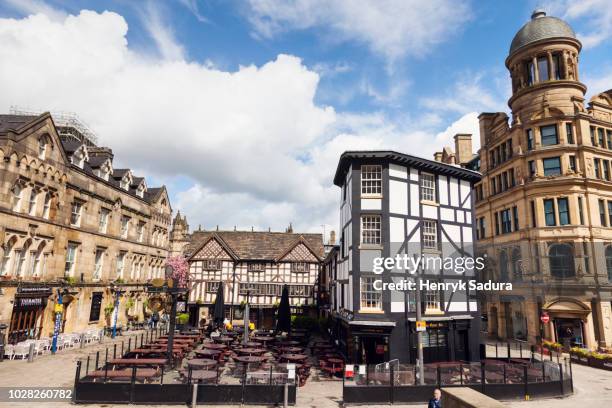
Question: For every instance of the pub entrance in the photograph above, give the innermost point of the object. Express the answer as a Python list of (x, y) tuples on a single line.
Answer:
[(28, 312)]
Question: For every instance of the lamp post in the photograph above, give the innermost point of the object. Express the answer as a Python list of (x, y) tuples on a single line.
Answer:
[(117, 293), (171, 294)]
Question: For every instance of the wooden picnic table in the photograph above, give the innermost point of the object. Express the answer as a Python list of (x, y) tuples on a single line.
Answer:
[(141, 373), (251, 351), (252, 344), (208, 353), (214, 346), (201, 363), (291, 357), (222, 339), (263, 339), (138, 361), (202, 375), (249, 359), (292, 349), (288, 343)]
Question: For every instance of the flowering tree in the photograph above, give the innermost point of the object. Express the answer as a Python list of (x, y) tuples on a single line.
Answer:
[(180, 272)]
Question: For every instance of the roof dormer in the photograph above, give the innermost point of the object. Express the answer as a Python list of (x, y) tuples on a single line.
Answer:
[(80, 156), (141, 188)]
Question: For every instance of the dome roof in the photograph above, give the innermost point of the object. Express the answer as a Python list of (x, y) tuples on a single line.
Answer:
[(539, 28)]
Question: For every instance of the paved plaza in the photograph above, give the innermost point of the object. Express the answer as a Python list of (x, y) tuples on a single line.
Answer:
[(591, 385)]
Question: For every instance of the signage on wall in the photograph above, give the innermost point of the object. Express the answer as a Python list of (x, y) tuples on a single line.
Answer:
[(30, 302), (545, 318), (181, 306), (421, 326), (380, 349)]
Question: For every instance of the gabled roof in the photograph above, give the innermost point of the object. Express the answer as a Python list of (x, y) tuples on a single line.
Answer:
[(404, 159), (257, 245), (14, 122)]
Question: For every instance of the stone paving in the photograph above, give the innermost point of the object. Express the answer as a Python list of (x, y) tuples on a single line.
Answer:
[(591, 385)]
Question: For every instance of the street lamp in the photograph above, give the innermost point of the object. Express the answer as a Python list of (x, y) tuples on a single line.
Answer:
[(169, 270), (116, 291)]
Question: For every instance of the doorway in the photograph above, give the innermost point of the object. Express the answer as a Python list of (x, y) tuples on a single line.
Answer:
[(569, 332), (373, 349)]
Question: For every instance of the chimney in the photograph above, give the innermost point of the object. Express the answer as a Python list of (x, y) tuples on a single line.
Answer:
[(438, 156), (332, 237), (463, 148)]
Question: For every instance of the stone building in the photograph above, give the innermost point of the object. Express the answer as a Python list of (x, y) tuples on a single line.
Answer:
[(256, 264), (71, 222), (544, 206)]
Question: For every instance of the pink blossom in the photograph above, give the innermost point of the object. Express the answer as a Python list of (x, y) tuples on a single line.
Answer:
[(180, 272)]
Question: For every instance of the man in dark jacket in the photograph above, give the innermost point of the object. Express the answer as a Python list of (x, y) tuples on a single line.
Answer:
[(436, 401)]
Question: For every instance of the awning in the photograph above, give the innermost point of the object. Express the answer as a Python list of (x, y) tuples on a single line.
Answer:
[(442, 318)]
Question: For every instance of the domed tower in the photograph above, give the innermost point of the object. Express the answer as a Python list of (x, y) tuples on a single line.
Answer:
[(543, 65)]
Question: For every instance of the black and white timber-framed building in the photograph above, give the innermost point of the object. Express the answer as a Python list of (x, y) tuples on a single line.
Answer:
[(394, 203)]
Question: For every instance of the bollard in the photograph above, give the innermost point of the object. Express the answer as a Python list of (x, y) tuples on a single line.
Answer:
[(286, 395), (31, 353), (194, 395)]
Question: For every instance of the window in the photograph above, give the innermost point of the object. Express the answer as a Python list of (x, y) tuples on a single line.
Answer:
[(532, 168), (549, 212), (610, 210), (609, 262), (516, 264), (609, 138), (371, 299), (430, 234), (512, 179), (572, 163), (428, 187), (47, 206), (602, 213), (585, 256), (543, 69), (211, 287), (120, 264), (596, 168), (549, 135), (593, 136), (298, 290), (580, 215), (563, 209), (530, 73), (432, 301), (17, 193), (71, 253), (496, 223), (42, 148), (32, 202), (103, 222), (506, 222), (503, 266), (96, 305), (510, 152), (99, 260), (36, 257), (561, 261), (569, 133), (300, 267), (493, 186), (556, 68), (7, 257), (371, 180), (600, 137), (21, 258), (515, 219), (140, 231), (481, 228), (211, 264), (529, 139), (125, 226), (605, 165), (552, 166), (256, 267), (533, 214), (370, 230), (75, 214)]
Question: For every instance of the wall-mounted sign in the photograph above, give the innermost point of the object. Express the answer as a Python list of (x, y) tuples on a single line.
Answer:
[(421, 326), (181, 306)]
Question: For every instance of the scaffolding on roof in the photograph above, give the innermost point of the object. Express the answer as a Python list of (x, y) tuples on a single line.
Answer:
[(68, 124)]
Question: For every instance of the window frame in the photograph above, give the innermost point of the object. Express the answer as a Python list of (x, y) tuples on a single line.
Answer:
[(427, 187), (371, 180), (370, 299), (543, 137), (370, 232)]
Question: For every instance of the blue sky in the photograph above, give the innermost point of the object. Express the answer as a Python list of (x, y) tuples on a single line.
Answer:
[(259, 97)]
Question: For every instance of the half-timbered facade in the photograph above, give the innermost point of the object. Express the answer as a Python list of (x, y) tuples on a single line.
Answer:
[(254, 265), (393, 203)]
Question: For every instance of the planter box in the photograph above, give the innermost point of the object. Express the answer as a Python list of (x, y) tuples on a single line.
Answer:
[(605, 364)]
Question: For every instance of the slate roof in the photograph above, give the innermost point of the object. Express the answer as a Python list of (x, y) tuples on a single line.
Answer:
[(14, 121), (541, 27), (257, 245)]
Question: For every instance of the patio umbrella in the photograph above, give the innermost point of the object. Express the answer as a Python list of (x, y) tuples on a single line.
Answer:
[(283, 317), (245, 338), (219, 308)]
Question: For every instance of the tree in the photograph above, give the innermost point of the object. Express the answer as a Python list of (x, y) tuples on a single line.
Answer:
[(180, 270)]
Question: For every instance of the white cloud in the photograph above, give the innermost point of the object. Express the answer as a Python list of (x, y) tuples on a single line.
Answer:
[(259, 150), (596, 15), (391, 28), (161, 33), (28, 7), (467, 123)]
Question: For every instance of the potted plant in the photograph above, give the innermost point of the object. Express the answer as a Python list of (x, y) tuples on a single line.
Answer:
[(108, 312), (181, 320)]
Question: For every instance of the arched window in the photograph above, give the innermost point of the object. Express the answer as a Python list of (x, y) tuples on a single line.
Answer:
[(561, 261), (22, 256), (37, 263), (42, 147), (47, 206), (7, 257), (17, 192), (609, 262), (503, 266), (517, 273)]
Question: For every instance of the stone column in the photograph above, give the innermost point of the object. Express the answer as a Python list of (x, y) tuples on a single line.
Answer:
[(536, 75), (550, 66)]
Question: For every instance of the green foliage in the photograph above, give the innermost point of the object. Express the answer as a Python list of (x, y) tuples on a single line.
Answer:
[(108, 310), (129, 303), (182, 318), (305, 322), (552, 345), (70, 280), (119, 281)]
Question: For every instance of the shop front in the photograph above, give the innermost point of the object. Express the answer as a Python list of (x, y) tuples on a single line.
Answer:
[(568, 323), (28, 313)]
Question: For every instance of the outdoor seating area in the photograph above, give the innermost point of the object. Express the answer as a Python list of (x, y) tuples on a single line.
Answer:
[(21, 350)]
